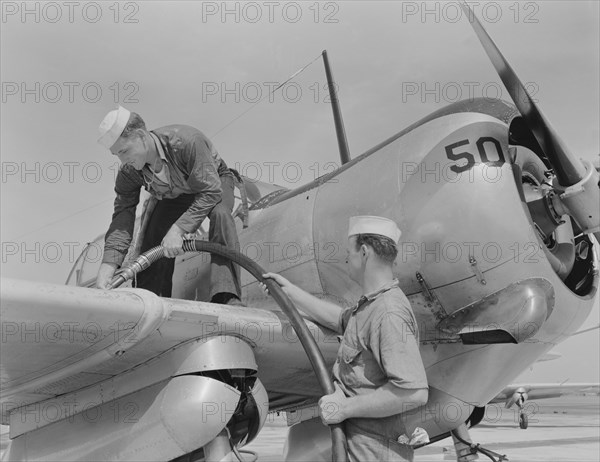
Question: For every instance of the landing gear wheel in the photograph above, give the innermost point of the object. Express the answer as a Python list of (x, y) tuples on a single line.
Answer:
[(523, 421)]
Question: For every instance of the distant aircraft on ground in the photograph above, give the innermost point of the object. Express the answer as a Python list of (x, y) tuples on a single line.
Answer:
[(519, 393)]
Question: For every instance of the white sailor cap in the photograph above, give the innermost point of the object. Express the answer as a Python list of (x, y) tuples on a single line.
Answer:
[(112, 126), (374, 225)]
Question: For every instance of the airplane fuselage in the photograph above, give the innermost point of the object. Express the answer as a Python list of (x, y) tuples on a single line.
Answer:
[(467, 239)]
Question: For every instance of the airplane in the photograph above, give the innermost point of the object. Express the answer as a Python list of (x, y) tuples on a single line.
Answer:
[(122, 374), (519, 393)]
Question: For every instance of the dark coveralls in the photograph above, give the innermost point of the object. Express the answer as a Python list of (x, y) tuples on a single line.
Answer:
[(380, 345), (197, 184)]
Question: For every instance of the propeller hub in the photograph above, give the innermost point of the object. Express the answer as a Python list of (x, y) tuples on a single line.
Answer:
[(581, 200)]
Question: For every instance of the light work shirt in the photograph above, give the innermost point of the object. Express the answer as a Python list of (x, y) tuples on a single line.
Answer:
[(380, 345)]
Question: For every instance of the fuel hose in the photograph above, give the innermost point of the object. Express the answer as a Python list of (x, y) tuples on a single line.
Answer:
[(338, 437)]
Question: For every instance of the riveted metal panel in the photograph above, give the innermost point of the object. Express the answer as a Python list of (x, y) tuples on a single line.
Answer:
[(219, 352), (281, 239)]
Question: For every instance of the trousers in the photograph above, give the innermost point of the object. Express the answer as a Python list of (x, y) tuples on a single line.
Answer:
[(158, 278)]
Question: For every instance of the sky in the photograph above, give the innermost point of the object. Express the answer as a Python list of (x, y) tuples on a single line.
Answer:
[(64, 65)]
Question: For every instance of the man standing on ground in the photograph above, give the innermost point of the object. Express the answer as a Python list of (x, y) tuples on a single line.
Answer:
[(378, 373), (180, 167)]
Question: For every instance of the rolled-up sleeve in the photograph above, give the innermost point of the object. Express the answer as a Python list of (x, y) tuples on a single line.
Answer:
[(120, 232), (343, 319), (204, 182), (394, 344)]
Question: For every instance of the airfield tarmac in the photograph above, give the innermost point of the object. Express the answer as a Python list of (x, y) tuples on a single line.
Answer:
[(561, 429)]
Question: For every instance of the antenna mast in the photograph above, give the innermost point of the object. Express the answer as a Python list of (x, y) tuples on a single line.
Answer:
[(337, 113)]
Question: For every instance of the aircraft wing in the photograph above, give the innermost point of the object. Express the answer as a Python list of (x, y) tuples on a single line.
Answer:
[(66, 349), (543, 390), (548, 357)]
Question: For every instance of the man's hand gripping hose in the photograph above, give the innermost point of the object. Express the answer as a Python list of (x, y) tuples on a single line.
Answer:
[(339, 445)]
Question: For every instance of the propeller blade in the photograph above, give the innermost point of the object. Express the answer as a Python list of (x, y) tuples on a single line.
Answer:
[(569, 170)]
